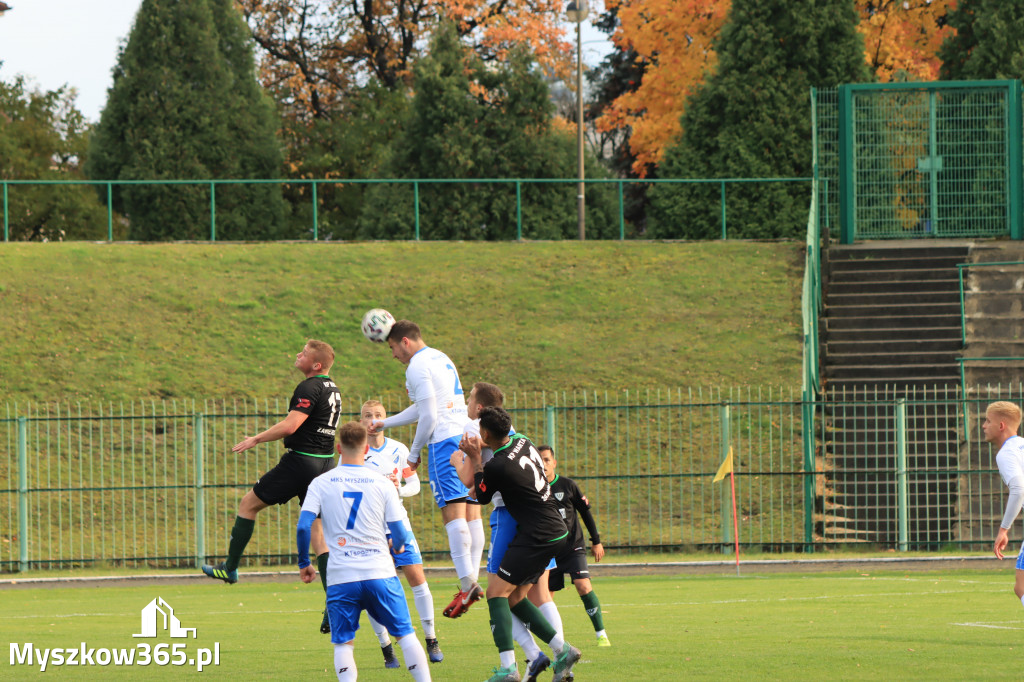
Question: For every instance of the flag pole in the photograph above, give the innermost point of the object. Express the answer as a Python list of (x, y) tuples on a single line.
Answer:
[(735, 521), (727, 468)]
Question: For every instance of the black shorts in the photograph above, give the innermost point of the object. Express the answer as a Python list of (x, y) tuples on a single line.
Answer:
[(574, 563), (526, 563), (291, 477)]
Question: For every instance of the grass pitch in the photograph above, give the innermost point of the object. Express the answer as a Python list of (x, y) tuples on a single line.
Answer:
[(838, 626)]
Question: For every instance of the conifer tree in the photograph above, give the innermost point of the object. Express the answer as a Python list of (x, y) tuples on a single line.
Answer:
[(751, 118), (470, 120), (988, 42), (185, 105)]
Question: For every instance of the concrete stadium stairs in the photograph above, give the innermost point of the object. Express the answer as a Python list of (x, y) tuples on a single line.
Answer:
[(892, 330)]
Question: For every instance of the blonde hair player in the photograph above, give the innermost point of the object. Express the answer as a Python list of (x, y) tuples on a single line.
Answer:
[(1002, 419), (308, 433), (390, 458)]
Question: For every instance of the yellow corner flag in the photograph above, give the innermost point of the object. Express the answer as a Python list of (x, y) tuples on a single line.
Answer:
[(725, 469)]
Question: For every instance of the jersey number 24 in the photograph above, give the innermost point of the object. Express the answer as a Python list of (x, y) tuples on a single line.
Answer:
[(535, 463)]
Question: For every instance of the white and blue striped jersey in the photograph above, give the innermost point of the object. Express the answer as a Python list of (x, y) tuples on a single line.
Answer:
[(356, 504), (432, 374)]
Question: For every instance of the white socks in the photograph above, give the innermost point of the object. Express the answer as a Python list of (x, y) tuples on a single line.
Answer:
[(415, 658), (550, 613), (476, 546), (524, 638), (380, 631), (424, 602), (458, 543), (507, 658), (344, 663)]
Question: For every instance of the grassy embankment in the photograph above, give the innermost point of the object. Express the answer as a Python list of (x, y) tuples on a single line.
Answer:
[(122, 322)]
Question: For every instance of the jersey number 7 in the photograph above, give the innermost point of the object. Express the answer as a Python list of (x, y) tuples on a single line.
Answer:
[(357, 499)]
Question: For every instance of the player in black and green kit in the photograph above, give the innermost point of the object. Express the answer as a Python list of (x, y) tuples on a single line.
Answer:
[(571, 501), (308, 432), (517, 472)]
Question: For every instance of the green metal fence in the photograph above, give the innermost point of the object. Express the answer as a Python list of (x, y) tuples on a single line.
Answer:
[(155, 484), (910, 160), (315, 189), (919, 474)]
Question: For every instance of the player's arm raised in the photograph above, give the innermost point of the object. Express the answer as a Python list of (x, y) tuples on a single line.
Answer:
[(281, 429), (409, 415)]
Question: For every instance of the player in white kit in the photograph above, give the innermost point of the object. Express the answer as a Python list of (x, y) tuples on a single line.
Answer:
[(358, 508), (1002, 419), (439, 411), (390, 458)]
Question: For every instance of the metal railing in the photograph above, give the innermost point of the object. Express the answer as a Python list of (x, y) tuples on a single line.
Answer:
[(811, 305), (156, 483), (922, 159), (514, 185)]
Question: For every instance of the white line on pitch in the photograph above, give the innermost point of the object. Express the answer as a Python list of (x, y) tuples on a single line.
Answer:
[(989, 625)]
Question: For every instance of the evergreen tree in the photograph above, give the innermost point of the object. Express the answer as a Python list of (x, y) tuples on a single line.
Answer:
[(185, 105), (751, 118), (469, 120), (988, 42)]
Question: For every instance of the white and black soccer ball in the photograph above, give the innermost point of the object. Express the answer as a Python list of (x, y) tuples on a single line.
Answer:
[(377, 324)]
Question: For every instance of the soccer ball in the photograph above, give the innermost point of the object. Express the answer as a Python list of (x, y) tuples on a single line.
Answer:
[(377, 324)]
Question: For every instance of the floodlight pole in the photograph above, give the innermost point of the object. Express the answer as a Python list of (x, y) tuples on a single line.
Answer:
[(577, 11), (581, 205)]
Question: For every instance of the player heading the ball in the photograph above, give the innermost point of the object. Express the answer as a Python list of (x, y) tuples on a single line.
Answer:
[(439, 411)]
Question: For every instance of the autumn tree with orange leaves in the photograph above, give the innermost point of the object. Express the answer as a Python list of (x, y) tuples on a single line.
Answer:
[(902, 37), (675, 43), (751, 119), (314, 52)]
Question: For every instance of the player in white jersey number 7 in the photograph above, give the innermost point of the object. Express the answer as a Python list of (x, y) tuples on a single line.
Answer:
[(359, 507), (439, 411)]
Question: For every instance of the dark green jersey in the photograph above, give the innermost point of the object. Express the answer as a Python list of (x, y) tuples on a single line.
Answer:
[(319, 398), (517, 472)]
